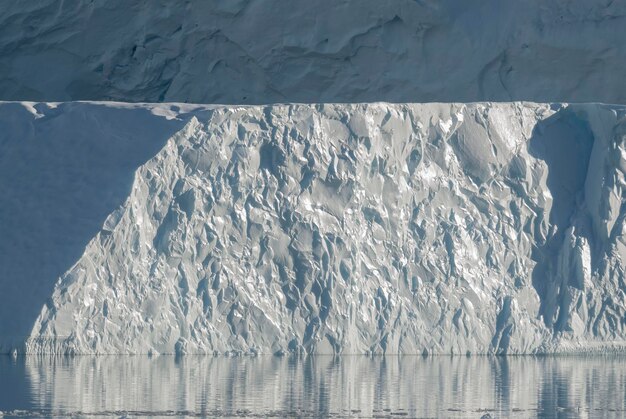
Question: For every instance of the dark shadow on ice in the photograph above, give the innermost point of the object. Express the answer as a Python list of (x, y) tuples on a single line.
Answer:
[(61, 174), (564, 142)]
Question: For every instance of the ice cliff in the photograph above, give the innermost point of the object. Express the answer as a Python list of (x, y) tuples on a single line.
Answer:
[(364, 228), (267, 51)]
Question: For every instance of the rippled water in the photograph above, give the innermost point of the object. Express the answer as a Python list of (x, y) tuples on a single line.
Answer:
[(315, 386)]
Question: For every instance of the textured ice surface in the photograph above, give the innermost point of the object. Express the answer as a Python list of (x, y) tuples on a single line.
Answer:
[(267, 51), (435, 228)]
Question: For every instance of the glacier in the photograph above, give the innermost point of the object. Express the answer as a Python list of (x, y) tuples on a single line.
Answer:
[(268, 51), (480, 228)]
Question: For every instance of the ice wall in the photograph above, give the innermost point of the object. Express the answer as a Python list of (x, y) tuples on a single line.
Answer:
[(269, 51), (378, 228), (63, 169)]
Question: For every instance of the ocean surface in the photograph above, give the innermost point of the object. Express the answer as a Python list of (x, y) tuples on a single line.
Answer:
[(321, 386)]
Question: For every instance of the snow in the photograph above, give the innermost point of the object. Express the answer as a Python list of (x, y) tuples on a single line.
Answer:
[(335, 228), (270, 51)]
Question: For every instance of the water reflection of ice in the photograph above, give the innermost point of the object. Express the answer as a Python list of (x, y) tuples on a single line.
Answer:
[(434, 386)]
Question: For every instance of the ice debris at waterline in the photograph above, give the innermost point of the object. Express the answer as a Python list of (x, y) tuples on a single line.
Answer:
[(354, 229)]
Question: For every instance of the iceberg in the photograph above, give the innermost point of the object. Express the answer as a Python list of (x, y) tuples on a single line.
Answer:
[(482, 228)]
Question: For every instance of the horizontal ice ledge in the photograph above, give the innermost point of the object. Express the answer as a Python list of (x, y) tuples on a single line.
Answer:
[(330, 228)]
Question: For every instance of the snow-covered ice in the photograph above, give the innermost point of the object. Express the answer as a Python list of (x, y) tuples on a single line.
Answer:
[(268, 51), (361, 228)]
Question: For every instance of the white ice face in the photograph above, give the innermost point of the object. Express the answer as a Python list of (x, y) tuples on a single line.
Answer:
[(311, 228)]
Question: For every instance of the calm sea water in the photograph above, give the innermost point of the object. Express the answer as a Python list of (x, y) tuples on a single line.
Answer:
[(404, 386)]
